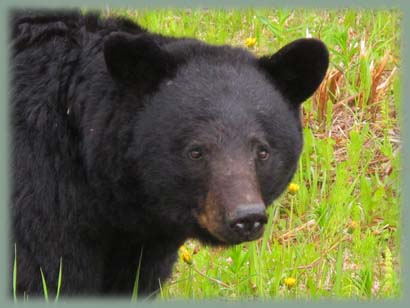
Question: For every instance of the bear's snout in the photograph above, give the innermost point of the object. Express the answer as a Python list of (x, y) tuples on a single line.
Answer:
[(233, 210)]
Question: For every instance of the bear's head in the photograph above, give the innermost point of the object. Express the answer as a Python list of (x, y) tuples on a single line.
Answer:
[(219, 136)]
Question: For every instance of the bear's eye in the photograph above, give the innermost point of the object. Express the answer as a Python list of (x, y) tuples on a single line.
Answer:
[(195, 154), (263, 154)]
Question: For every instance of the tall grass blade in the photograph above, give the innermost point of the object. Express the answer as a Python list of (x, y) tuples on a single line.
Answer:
[(45, 291), (15, 274), (134, 295), (339, 270), (60, 276)]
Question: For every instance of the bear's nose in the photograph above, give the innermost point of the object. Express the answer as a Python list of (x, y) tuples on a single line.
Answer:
[(248, 220)]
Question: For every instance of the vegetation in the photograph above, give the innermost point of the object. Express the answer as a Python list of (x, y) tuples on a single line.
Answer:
[(336, 232)]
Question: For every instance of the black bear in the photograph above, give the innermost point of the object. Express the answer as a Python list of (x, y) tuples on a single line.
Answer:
[(126, 143)]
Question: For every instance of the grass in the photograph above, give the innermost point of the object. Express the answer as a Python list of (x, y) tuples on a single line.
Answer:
[(134, 295), (43, 281), (338, 235), (15, 274)]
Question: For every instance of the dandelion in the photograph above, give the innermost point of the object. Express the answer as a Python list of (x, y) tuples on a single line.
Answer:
[(185, 255), (290, 282), (250, 42), (293, 188), (353, 225)]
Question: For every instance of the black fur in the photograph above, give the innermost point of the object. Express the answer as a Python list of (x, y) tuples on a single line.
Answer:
[(103, 113)]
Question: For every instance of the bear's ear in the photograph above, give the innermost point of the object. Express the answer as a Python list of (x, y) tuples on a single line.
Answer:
[(298, 68), (136, 59)]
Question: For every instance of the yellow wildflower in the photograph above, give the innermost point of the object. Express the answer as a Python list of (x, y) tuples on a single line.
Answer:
[(250, 42), (293, 188), (290, 282), (353, 225), (185, 255)]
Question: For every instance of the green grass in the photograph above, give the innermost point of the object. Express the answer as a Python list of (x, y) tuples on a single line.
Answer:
[(44, 283), (15, 274), (339, 234), (134, 295)]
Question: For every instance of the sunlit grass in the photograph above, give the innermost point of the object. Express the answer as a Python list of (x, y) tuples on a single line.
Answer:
[(337, 235)]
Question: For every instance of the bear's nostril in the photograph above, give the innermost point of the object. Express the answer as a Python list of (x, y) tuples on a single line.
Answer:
[(247, 227), (256, 225)]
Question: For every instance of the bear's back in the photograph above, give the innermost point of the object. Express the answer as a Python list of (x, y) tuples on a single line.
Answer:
[(32, 27), (48, 49)]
